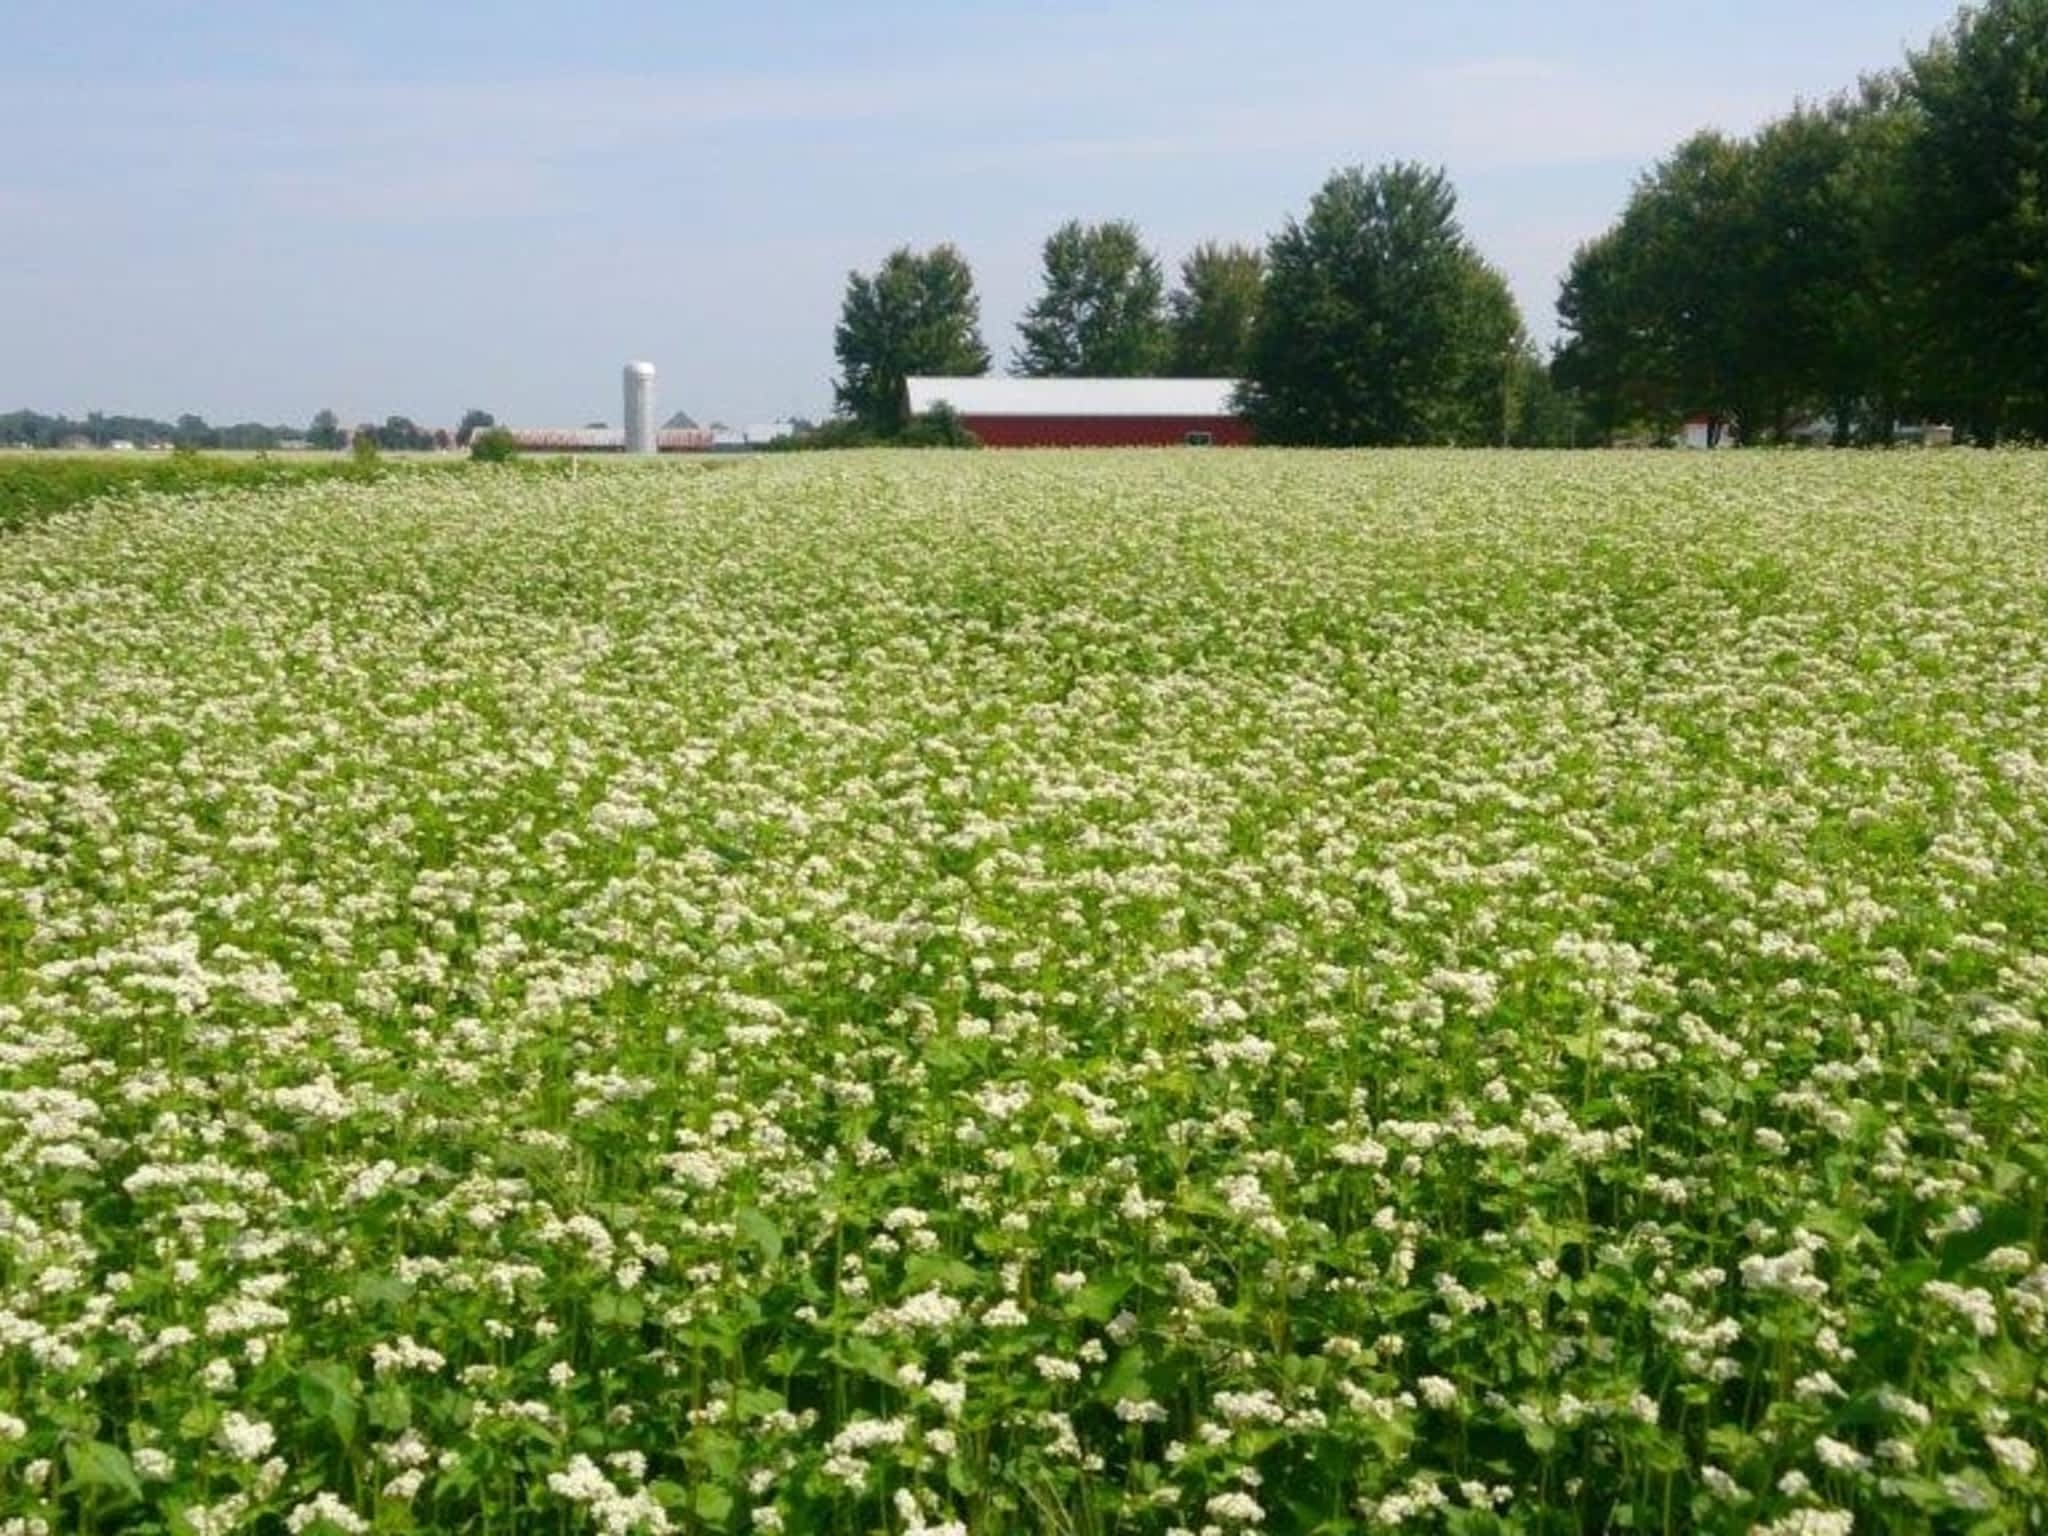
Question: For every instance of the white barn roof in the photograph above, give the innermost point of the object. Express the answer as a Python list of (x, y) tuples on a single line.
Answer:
[(1075, 397)]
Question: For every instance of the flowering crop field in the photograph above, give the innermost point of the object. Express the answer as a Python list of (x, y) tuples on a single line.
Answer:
[(1065, 993)]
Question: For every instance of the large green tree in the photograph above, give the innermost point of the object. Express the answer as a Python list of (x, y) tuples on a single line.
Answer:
[(1758, 280), (1214, 311), (1980, 224), (917, 314), (1876, 372), (1692, 223), (1601, 359), (1102, 312), (1801, 270), (1659, 311), (1380, 323)]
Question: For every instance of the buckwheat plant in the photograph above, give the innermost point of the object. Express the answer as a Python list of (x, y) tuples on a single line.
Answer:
[(1173, 993)]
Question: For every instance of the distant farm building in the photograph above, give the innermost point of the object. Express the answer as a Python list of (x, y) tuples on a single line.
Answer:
[(604, 440), (1090, 413), (745, 439), (1704, 431)]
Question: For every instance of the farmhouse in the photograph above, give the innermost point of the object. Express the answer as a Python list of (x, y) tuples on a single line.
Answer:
[(1089, 413)]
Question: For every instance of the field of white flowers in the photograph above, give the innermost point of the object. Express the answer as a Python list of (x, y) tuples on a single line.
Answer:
[(1066, 993)]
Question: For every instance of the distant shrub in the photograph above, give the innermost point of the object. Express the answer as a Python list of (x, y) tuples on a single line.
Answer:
[(493, 445), (839, 432), (939, 427), (362, 447), (35, 486)]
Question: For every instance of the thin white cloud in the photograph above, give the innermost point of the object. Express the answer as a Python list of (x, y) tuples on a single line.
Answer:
[(1499, 69), (574, 112), (465, 188), (1470, 121)]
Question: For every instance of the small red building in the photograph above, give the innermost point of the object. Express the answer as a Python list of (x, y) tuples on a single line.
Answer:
[(1090, 413)]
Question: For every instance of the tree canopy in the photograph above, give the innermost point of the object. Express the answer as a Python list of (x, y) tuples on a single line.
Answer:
[(917, 314), (1882, 254), (1102, 311), (1213, 311), (1979, 169), (1380, 323)]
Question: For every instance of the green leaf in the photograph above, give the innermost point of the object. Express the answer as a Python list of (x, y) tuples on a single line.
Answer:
[(329, 1393), (391, 1409), (718, 1454), (923, 1270), (617, 1309), (759, 1230), (1126, 1378), (869, 1359), (1995, 1229), (97, 1465), (1843, 1227), (758, 1402), (1097, 1300), (374, 1291), (712, 1503)]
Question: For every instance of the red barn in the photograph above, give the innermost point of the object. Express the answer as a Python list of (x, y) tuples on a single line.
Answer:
[(1090, 413)]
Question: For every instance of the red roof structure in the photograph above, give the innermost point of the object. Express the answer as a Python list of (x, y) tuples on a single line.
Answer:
[(1090, 413)]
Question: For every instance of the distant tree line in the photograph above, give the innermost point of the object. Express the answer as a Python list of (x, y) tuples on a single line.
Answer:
[(399, 434), (1372, 320), (1877, 258), (31, 429)]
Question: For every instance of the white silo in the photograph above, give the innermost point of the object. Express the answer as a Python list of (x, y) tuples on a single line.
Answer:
[(640, 408)]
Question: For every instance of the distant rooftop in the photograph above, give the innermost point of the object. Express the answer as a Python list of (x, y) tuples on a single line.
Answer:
[(997, 396)]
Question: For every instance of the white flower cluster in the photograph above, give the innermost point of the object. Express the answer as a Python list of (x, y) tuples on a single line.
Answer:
[(1185, 985)]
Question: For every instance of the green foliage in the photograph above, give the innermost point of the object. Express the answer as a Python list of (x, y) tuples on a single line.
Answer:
[(1979, 171), (473, 421), (100, 1471), (493, 445), (34, 486), (329, 1394), (1380, 324), (1084, 992), (324, 432), (833, 433), (1543, 413), (917, 314), (1102, 313), (1739, 282), (32, 429), (1877, 256), (362, 445), (400, 434), (1656, 309), (939, 427), (1215, 310)]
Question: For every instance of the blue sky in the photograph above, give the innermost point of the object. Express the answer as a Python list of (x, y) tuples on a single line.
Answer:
[(254, 211)]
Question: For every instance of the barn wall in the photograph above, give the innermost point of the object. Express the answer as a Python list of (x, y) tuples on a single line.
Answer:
[(1105, 431)]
